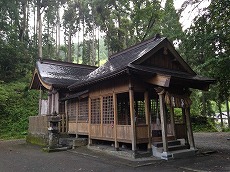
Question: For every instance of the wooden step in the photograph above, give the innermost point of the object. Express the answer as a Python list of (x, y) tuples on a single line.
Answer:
[(159, 139), (177, 147), (183, 153), (170, 143)]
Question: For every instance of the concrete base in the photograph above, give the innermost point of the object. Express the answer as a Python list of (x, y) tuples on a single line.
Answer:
[(184, 153), (166, 155), (54, 149)]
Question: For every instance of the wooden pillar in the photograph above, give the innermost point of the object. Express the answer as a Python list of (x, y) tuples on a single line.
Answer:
[(65, 123), (89, 122), (77, 114), (40, 101), (189, 128), (115, 121), (147, 117), (58, 104), (172, 120), (101, 110), (161, 93), (49, 102), (132, 117), (184, 122), (53, 102)]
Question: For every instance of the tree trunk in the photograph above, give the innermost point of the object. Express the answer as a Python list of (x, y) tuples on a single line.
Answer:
[(78, 46), (58, 34), (39, 24), (98, 47), (69, 47), (35, 26), (93, 59)]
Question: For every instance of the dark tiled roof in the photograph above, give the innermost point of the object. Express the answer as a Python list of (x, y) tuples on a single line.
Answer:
[(172, 73), (76, 95), (61, 74), (118, 63), (130, 58)]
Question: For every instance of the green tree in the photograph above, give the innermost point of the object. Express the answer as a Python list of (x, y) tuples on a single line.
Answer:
[(207, 48), (170, 25)]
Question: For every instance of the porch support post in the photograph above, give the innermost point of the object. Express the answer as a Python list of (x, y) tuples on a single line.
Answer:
[(115, 120), (161, 92), (77, 114), (101, 110), (49, 102), (89, 122), (40, 101), (147, 117), (172, 120), (132, 116), (184, 122), (189, 127), (65, 122), (53, 102)]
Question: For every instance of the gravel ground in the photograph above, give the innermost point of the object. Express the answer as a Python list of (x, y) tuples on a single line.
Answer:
[(216, 141), (16, 155)]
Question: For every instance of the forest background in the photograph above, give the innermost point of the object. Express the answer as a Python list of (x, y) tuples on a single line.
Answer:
[(88, 31)]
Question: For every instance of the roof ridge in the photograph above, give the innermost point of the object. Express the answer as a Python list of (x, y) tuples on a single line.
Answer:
[(156, 37), (61, 63)]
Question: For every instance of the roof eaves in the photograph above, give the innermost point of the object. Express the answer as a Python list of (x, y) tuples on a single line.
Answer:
[(44, 84), (61, 63), (98, 79)]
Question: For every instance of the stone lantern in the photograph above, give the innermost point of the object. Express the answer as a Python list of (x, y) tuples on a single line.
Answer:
[(53, 131)]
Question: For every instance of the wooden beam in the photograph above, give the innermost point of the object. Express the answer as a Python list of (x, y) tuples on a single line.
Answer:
[(160, 80), (77, 114), (115, 120), (132, 116), (65, 122), (147, 117), (184, 122), (189, 127), (89, 122), (40, 100), (172, 119), (166, 154), (101, 111), (163, 121)]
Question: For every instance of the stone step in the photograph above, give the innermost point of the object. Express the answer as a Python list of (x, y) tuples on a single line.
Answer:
[(183, 153), (177, 147), (159, 139), (170, 143), (73, 142), (172, 148), (140, 154)]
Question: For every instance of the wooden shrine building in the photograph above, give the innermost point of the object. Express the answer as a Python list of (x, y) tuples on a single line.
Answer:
[(130, 99)]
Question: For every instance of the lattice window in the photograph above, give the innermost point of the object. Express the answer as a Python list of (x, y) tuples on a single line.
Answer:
[(71, 109), (154, 110), (123, 109), (108, 115), (140, 111), (95, 111), (83, 110)]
